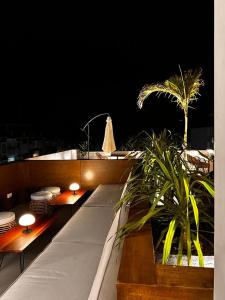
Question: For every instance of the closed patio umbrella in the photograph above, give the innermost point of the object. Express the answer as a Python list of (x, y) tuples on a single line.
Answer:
[(108, 143)]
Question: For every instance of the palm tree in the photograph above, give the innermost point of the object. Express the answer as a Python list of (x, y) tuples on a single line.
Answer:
[(182, 89)]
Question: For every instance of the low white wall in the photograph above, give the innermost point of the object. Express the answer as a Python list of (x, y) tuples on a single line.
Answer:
[(64, 155), (77, 154)]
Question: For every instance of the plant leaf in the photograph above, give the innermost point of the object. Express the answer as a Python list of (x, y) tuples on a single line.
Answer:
[(169, 239), (180, 248), (208, 187), (163, 167), (195, 210), (199, 250), (188, 232)]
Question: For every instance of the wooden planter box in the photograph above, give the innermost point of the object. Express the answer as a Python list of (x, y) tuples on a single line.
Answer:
[(140, 278)]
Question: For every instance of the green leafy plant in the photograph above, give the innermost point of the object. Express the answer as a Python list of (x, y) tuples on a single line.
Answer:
[(182, 89), (178, 196)]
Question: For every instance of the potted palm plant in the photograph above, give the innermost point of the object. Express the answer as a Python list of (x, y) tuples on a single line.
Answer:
[(173, 193)]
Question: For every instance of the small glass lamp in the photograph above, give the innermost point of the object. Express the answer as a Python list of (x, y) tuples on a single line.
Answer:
[(74, 187), (27, 220)]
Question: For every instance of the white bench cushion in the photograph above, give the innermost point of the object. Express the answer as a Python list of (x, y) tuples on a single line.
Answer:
[(105, 195), (62, 271), (104, 284), (89, 225), (107, 289)]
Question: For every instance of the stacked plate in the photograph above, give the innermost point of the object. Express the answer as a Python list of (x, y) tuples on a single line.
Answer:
[(7, 221)]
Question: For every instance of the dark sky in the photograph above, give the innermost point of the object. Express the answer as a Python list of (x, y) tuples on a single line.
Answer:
[(63, 65)]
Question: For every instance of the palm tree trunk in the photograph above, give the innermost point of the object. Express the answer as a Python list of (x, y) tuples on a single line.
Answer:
[(185, 128)]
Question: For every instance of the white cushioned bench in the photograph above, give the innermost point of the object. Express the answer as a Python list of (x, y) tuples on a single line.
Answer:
[(62, 271), (105, 195), (89, 225), (80, 262)]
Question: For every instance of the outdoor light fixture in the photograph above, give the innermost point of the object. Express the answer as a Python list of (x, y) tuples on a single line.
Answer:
[(74, 187), (89, 175), (27, 220)]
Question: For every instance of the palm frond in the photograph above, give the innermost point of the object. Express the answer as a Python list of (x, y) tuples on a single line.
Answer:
[(193, 82), (147, 90)]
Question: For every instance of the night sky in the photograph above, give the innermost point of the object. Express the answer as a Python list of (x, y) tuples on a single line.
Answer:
[(61, 66)]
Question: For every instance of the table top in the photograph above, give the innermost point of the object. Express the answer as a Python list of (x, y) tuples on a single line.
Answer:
[(15, 240), (67, 198)]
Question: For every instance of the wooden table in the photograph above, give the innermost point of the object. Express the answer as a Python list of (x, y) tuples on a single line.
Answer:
[(16, 241), (67, 198)]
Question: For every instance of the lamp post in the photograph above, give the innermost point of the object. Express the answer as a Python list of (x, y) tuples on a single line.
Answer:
[(88, 128)]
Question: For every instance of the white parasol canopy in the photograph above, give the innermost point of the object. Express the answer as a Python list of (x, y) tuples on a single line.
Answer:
[(108, 143)]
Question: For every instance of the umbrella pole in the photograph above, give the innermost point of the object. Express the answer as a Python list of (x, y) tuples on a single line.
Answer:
[(88, 133)]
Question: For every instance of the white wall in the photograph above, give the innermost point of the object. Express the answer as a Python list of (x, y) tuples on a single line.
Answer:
[(219, 59), (64, 155)]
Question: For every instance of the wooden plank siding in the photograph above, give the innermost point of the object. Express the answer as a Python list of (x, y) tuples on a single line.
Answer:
[(13, 179), (53, 173), (22, 178), (95, 172)]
